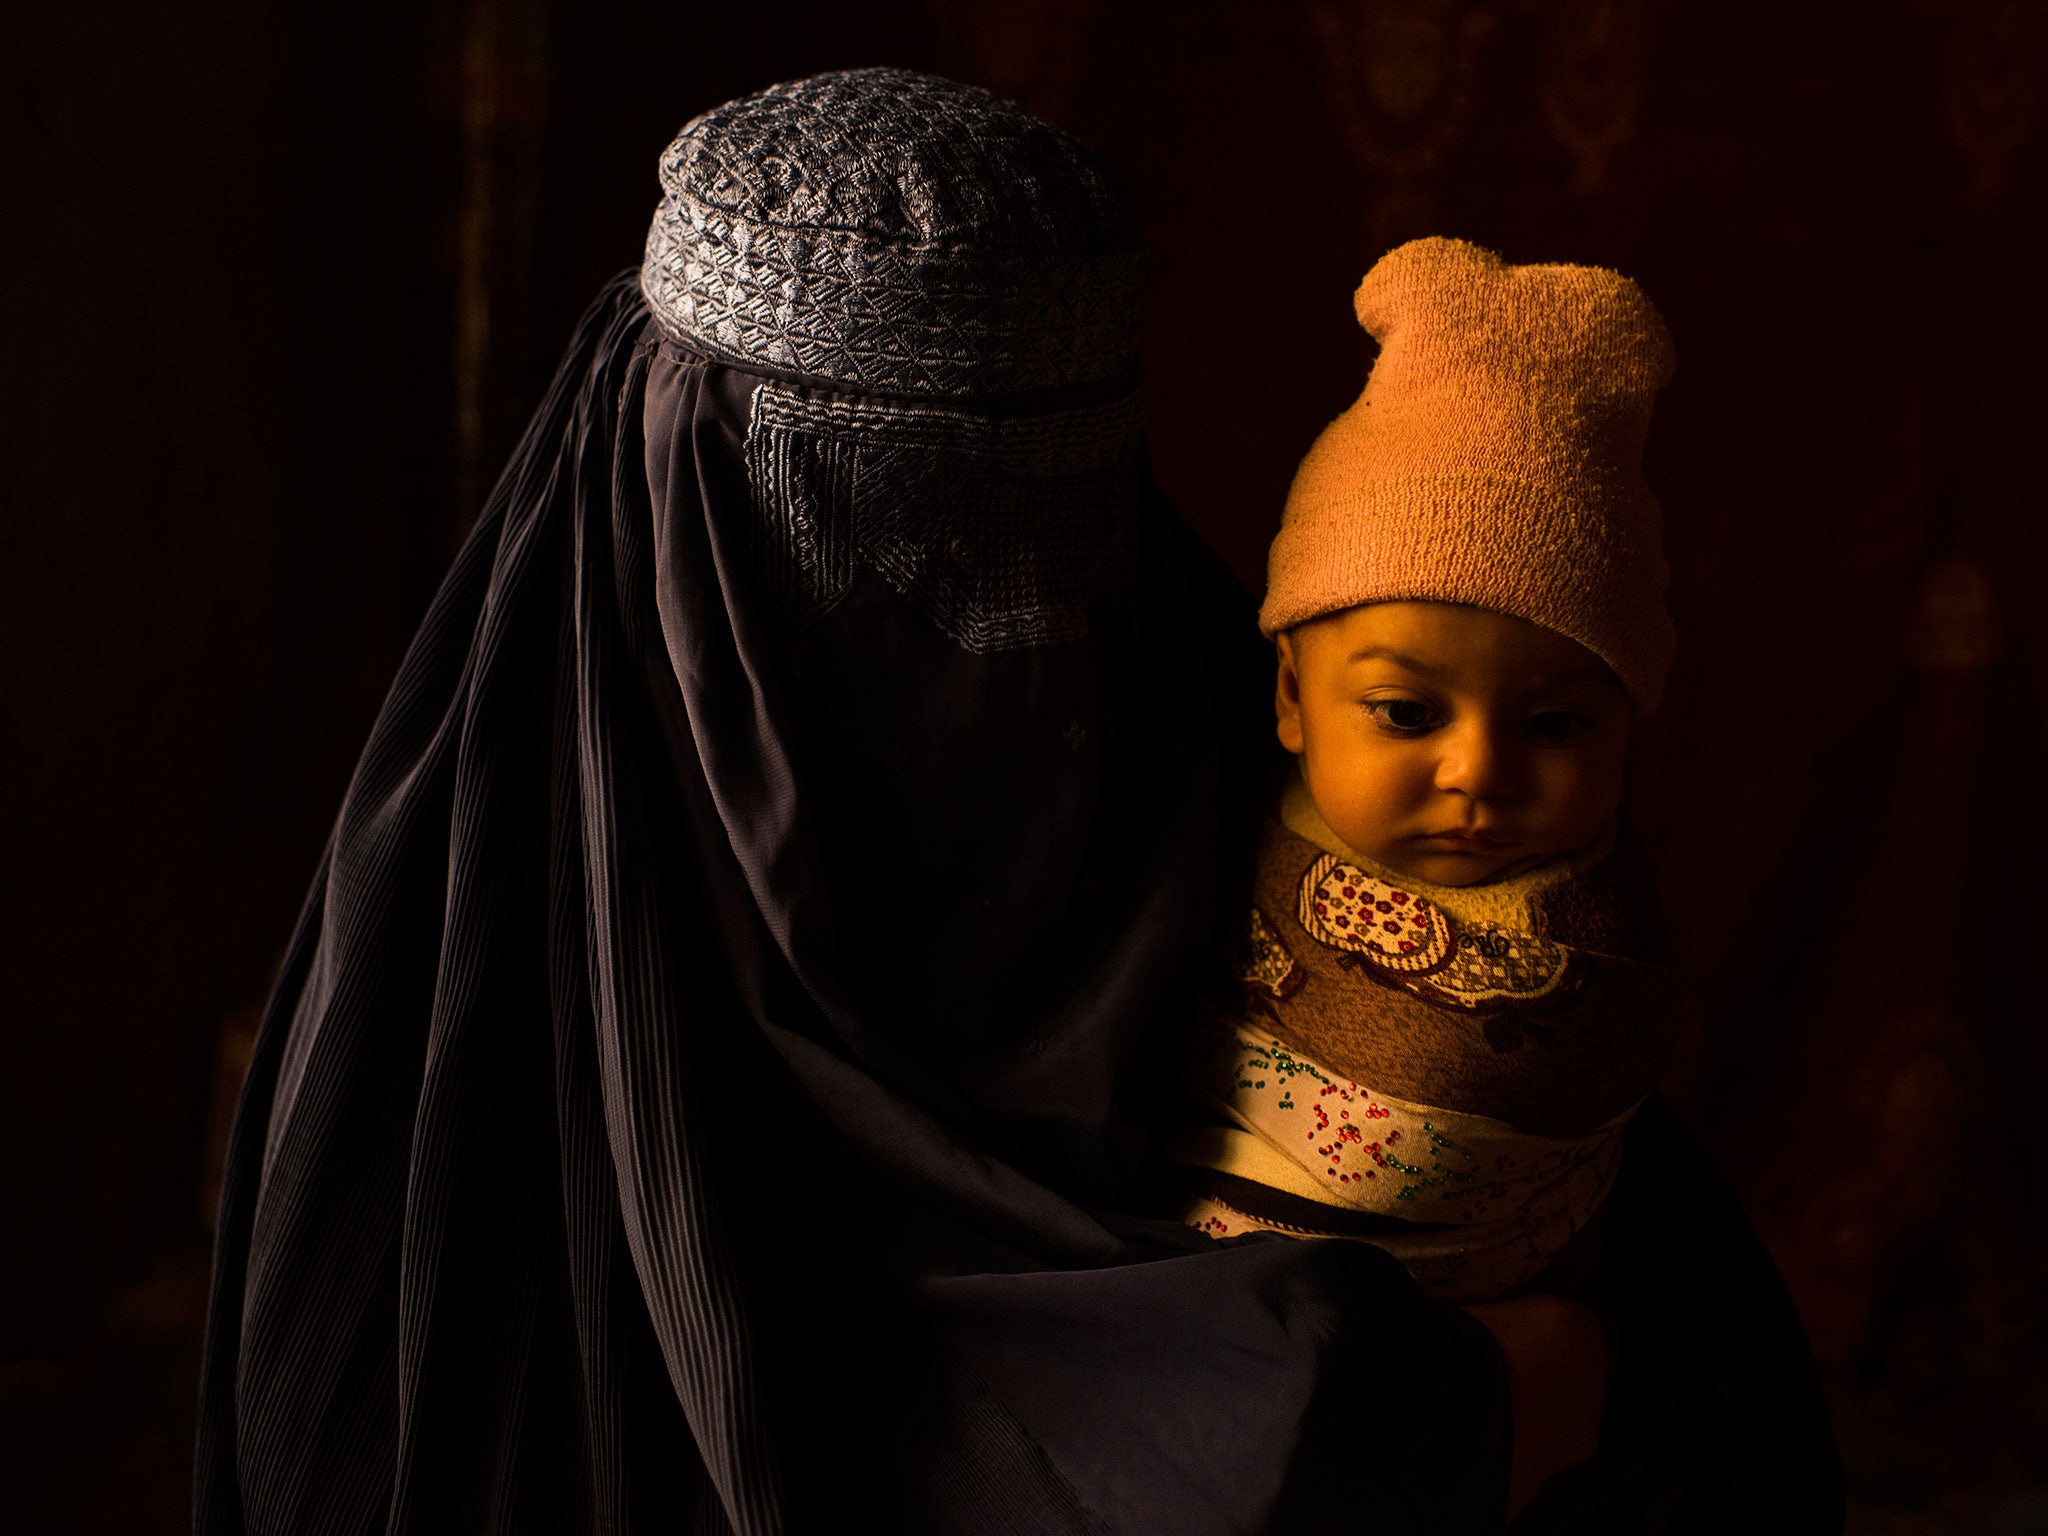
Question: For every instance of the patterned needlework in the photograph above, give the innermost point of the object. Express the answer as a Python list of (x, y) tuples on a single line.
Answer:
[(1264, 965), (1409, 941), (998, 529), (1346, 908), (895, 233)]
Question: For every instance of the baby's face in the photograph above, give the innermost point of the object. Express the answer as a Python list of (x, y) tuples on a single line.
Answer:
[(1447, 743)]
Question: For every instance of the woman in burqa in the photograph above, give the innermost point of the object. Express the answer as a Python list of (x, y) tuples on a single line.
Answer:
[(709, 1083)]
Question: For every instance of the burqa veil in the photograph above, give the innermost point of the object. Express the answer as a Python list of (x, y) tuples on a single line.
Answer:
[(708, 1084)]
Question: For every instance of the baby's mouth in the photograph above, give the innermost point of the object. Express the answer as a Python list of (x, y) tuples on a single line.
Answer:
[(1469, 842)]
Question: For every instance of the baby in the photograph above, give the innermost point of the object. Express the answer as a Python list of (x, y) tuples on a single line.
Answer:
[(1452, 1001)]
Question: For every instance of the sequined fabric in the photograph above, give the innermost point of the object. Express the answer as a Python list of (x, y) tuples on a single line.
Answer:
[(898, 234)]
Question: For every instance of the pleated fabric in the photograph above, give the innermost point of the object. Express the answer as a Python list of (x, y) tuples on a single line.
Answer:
[(709, 1085)]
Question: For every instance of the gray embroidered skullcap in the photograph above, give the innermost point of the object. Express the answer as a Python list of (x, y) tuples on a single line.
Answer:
[(894, 233)]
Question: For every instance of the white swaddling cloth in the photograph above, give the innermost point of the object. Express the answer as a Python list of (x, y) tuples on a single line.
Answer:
[(1474, 1207)]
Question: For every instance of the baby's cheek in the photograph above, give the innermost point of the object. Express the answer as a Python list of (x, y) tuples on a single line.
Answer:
[(1581, 798), (1363, 800)]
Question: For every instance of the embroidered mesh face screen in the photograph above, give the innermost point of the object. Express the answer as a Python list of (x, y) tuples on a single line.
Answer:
[(842, 484)]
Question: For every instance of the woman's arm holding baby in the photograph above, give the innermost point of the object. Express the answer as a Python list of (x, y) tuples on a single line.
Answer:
[(1556, 1353)]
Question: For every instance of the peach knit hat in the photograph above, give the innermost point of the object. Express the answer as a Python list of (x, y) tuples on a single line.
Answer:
[(1494, 459)]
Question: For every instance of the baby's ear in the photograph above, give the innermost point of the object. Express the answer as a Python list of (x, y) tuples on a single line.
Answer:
[(1287, 696)]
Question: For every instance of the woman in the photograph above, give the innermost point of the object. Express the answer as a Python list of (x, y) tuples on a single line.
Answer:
[(709, 1084)]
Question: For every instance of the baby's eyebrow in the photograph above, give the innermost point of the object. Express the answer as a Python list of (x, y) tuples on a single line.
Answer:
[(1398, 658), (1591, 672)]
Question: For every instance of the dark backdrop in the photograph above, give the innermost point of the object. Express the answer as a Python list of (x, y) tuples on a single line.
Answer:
[(283, 283)]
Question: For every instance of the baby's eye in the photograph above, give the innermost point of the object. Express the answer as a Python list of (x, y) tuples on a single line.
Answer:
[(1404, 717), (1556, 727)]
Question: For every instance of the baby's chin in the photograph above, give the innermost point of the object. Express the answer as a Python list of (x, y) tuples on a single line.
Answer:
[(1446, 872), (1449, 867)]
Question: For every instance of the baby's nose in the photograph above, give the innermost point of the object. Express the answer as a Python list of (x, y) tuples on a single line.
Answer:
[(1478, 763)]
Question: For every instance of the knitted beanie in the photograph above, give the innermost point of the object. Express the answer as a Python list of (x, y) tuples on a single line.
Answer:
[(1494, 459)]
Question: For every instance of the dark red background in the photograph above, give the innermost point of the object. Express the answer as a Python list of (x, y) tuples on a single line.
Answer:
[(284, 283)]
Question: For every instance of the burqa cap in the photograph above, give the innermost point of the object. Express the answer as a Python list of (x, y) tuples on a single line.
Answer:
[(897, 234)]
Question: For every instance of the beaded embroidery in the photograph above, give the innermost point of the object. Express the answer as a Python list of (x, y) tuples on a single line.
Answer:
[(1486, 1205)]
